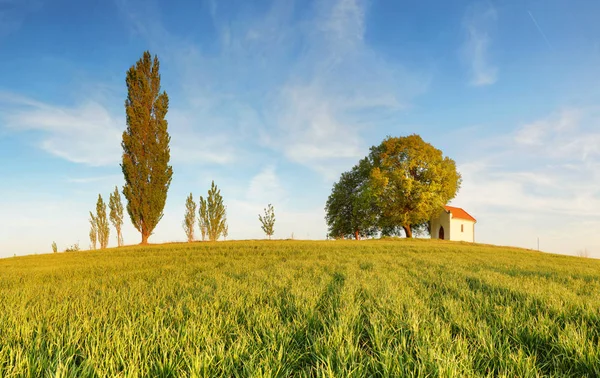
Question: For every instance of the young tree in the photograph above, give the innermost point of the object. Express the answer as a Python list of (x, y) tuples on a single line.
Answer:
[(213, 217), (268, 221), (189, 220), (351, 209), (100, 222), (226, 231), (146, 152), (116, 214), (412, 181), (54, 247), (93, 231)]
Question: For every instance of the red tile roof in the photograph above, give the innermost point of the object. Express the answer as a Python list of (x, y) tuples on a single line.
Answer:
[(459, 213)]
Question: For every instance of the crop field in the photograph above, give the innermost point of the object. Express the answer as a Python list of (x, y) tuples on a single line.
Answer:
[(298, 308)]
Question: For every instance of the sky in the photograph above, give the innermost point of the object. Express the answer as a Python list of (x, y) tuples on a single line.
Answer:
[(274, 99)]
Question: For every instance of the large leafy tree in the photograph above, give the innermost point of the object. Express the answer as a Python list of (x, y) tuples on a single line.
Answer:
[(267, 222), (146, 152), (116, 214), (189, 220), (351, 210), (213, 214), (412, 181)]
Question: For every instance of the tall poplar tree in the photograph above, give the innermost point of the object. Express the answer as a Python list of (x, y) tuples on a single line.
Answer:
[(146, 152)]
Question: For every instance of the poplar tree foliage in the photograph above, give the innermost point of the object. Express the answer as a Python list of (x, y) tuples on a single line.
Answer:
[(212, 214), (268, 221), (401, 185), (100, 230), (146, 152), (116, 214), (189, 221), (93, 232)]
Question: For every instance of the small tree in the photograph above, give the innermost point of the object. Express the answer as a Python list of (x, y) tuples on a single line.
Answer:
[(226, 231), (268, 221), (213, 217), (54, 247), (116, 214), (100, 230), (189, 220), (93, 231)]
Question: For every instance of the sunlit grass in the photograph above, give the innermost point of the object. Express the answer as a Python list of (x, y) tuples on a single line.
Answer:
[(290, 308)]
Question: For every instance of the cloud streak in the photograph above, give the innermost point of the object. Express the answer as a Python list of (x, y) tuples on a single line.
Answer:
[(479, 21), (539, 29)]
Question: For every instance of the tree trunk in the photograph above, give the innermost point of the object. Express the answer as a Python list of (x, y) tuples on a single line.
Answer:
[(407, 231), (145, 235), (356, 235)]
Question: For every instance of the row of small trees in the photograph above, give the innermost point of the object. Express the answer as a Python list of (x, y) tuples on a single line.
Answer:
[(99, 228), (398, 188), (212, 217)]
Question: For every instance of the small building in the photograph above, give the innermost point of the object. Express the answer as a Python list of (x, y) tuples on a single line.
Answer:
[(453, 224)]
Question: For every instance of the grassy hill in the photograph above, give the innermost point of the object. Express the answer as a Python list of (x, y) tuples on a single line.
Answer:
[(292, 308)]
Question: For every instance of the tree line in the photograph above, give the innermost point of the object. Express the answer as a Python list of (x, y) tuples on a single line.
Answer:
[(397, 189), (147, 173)]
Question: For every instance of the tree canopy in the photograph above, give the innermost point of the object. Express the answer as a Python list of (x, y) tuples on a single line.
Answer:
[(146, 152), (400, 185), (351, 209)]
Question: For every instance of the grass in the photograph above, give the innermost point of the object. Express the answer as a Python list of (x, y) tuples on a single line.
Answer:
[(321, 309)]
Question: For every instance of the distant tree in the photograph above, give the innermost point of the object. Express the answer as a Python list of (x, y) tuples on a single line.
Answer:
[(411, 181), (54, 247), (351, 210), (73, 248), (93, 231), (226, 231), (268, 221), (213, 217), (146, 152), (116, 214), (100, 230), (189, 221), (583, 253)]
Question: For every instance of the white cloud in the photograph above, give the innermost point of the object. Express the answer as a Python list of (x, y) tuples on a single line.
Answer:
[(302, 85), (545, 185), (86, 133), (478, 23)]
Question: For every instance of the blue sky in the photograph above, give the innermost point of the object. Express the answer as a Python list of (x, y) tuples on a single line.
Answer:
[(274, 99)]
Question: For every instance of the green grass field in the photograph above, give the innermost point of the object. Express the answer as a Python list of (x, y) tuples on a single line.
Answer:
[(292, 308)]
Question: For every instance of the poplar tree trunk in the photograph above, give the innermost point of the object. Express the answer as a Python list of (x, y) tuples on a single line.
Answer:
[(356, 235), (407, 231)]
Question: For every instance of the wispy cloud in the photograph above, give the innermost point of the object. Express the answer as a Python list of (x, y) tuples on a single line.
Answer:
[(85, 133), (542, 180), (305, 86), (479, 22)]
